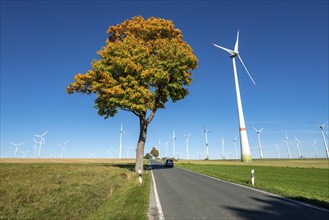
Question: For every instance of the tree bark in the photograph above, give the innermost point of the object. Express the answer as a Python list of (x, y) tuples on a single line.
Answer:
[(141, 144)]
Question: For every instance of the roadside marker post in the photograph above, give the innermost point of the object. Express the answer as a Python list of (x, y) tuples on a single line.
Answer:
[(140, 180), (253, 177)]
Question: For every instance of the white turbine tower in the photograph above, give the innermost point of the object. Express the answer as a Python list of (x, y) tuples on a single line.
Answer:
[(16, 147), (278, 150), (260, 144), (287, 143), (24, 153), (35, 147), (245, 149), (324, 138), (42, 141), (297, 144), (159, 147), (314, 145), (236, 152), (223, 149), (166, 147), (173, 143), (186, 139), (205, 131), (62, 147), (121, 132)]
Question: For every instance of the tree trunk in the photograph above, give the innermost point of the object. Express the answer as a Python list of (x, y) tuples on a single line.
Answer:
[(141, 144)]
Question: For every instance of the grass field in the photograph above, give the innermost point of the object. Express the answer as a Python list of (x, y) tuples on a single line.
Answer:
[(305, 180), (71, 190)]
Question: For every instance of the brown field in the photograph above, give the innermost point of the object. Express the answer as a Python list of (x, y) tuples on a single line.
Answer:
[(66, 160), (300, 163)]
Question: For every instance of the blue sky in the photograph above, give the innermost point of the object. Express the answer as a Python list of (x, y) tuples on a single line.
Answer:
[(284, 44)]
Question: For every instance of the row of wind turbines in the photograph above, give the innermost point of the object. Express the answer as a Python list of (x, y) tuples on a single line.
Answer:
[(223, 155), (37, 146)]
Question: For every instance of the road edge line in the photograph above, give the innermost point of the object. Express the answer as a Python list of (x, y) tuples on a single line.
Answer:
[(157, 200), (261, 191)]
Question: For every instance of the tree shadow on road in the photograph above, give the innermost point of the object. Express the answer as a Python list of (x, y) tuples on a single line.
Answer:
[(277, 208)]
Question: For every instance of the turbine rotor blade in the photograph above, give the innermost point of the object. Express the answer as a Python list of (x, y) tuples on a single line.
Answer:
[(236, 47), (261, 130), (44, 133), (246, 70), (223, 48), (255, 129)]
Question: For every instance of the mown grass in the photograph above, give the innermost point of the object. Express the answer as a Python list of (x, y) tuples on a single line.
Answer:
[(305, 184), (72, 191)]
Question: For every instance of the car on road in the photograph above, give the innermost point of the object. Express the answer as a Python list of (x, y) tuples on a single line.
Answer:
[(169, 163)]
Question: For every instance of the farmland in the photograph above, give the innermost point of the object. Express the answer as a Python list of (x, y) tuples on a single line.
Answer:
[(71, 189)]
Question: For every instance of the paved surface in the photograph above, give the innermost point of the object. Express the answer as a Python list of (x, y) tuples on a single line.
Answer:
[(186, 195)]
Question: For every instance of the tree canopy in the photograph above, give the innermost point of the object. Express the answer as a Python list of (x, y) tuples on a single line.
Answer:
[(144, 63), (154, 152)]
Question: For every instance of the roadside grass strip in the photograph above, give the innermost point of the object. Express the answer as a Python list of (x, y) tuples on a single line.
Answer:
[(72, 191), (308, 185)]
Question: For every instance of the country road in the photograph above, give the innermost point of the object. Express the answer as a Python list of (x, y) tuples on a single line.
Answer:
[(186, 195)]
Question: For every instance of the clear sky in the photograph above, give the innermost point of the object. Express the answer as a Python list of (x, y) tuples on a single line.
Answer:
[(284, 44)]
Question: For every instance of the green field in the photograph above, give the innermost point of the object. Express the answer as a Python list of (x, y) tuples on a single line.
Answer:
[(72, 191), (304, 180)]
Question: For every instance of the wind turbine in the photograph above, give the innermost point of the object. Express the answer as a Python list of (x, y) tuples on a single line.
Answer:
[(314, 145), (166, 147), (287, 143), (63, 146), (236, 152), (297, 144), (121, 132), (173, 143), (35, 147), (42, 141), (260, 145), (324, 138), (159, 147), (24, 153), (223, 149), (16, 147), (278, 150), (205, 131), (186, 139), (245, 149)]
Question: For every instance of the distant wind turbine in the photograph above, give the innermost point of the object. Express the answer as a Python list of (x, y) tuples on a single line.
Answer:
[(173, 143), (324, 139), (16, 147), (223, 149), (287, 143), (314, 145), (42, 141), (260, 145), (297, 144), (205, 131), (63, 146), (278, 150), (236, 152), (121, 132), (35, 147), (166, 147), (245, 149), (186, 139), (24, 153)]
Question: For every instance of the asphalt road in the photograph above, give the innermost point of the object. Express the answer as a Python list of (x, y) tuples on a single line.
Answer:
[(186, 195)]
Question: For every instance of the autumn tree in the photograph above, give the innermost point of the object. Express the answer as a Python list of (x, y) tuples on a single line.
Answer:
[(154, 152), (144, 63)]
